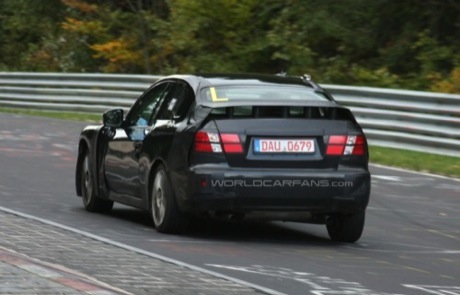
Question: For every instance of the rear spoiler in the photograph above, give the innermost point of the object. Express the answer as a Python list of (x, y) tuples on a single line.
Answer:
[(284, 103)]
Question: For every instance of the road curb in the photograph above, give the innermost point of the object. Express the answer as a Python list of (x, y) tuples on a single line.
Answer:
[(58, 274), (414, 172), (143, 252)]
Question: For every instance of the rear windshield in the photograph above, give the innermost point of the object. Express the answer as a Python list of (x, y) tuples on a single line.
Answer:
[(261, 93)]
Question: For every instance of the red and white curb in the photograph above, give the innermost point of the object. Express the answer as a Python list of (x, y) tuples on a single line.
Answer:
[(259, 288), (59, 274)]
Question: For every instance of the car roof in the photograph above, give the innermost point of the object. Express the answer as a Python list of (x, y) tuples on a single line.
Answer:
[(250, 79), (200, 81), (226, 79)]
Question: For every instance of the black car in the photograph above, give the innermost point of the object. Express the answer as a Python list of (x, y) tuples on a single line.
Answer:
[(230, 146)]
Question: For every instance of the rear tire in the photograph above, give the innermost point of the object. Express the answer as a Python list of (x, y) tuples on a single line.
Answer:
[(91, 202), (166, 216), (346, 228)]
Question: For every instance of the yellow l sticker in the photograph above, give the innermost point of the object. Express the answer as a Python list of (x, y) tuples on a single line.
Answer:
[(214, 95)]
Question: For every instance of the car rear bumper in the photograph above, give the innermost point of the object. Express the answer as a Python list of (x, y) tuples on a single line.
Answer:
[(215, 188)]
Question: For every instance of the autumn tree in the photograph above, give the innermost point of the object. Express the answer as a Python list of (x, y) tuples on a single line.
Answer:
[(26, 31), (400, 44)]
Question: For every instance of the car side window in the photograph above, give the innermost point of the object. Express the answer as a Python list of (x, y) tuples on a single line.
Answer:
[(145, 108), (177, 103), (183, 106)]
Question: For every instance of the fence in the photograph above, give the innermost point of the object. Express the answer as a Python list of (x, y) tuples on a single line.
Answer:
[(412, 120)]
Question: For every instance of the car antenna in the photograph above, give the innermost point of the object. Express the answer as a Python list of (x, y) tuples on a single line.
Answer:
[(308, 80)]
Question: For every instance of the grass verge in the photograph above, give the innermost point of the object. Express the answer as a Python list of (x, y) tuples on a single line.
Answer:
[(418, 161), (85, 117)]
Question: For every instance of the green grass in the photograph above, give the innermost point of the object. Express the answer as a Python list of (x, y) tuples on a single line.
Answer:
[(418, 161), (93, 118)]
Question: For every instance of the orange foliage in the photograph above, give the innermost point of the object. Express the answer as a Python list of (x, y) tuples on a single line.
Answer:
[(42, 60), (449, 85), (83, 27), (119, 53), (72, 24), (80, 5)]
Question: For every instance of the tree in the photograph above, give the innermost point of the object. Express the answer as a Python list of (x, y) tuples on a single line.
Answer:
[(410, 44), (24, 25), (220, 35)]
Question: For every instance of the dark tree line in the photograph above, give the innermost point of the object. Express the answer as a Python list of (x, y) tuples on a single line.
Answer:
[(404, 44)]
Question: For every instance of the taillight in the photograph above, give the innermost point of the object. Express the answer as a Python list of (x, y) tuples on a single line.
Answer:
[(207, 142), (339, 145), (210, 142), (231, 143)]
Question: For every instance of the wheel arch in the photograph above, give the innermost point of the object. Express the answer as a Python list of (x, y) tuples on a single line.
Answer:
[(87, 145), (83, 148), (153, 167)]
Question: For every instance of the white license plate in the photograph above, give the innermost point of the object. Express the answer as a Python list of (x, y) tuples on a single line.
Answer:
[(284, 145)]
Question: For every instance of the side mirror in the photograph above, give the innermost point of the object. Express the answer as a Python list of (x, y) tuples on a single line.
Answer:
[(113, 118)]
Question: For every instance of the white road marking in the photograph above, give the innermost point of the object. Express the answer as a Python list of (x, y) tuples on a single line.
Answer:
[(437, 290), (319, 284), (186, 242), (360, 245), (386, 177), (448, 186), (143, 252), (441, 252), (414, 172)]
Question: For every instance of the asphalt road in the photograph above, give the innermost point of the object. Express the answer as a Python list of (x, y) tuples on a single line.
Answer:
[(411, 243)]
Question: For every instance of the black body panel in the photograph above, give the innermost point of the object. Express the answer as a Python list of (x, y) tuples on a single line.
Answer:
[(161, 128), (89, 142), (246, 190)]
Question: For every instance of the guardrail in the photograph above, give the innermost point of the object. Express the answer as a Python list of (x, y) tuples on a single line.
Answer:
[(412, 120)]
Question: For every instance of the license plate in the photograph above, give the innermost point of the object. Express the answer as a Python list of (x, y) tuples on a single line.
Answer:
[(284, 145)]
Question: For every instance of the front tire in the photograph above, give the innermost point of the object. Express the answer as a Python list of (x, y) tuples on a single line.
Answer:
[(346, 228), (91, 202), (166, 216)]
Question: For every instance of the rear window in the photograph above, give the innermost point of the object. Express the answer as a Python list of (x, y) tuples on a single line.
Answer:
[(261, 93), (330, 113)]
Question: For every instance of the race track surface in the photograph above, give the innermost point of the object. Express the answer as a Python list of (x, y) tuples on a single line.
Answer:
[(411, 242)]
